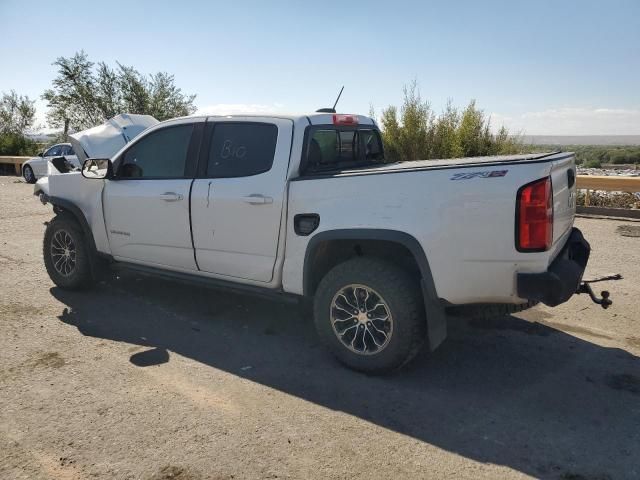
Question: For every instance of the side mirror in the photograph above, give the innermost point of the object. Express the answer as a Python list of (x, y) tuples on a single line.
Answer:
[(97, 168), (41, 154)]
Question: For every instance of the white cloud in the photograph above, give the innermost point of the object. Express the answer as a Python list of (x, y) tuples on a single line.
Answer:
[(573, 121), (239, 108)]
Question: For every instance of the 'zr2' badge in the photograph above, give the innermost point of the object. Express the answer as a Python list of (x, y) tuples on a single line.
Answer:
[(487, 174)]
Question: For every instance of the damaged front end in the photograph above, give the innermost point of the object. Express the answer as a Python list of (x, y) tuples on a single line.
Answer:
[(101, 141)]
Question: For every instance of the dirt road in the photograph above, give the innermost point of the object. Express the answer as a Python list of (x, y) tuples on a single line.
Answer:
[(148, 379)]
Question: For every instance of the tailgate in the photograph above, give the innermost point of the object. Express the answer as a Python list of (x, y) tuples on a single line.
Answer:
[(563, 181)]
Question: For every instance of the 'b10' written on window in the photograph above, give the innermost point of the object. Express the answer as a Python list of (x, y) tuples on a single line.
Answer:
[(241, 149)]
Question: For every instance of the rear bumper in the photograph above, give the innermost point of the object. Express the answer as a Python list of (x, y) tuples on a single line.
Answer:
[(562, 278)]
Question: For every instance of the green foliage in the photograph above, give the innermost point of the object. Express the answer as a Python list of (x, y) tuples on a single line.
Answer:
[(17, 114), (16, 144), (593, 156), (417, 133), (593, 163), (84, 94)]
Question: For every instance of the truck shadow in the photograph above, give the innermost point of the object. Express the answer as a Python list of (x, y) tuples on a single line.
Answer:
[(508, 392)]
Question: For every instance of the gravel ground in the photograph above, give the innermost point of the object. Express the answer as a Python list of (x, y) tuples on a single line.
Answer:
[(147, 379)]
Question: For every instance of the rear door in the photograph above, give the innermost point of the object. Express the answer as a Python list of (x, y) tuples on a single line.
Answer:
[(237, 199), (146, 205)]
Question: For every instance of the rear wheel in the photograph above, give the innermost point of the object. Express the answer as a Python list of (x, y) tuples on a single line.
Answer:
[(370, 314), (27, 173), (66, 256)]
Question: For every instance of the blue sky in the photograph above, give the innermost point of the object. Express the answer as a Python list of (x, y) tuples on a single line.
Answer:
[(542, 67)]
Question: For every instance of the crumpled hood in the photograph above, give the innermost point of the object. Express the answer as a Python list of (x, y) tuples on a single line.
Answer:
[(104, 141)]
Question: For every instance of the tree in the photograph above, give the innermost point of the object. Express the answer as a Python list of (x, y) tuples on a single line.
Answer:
[(17, 114), (72, 101), (85, 94), (420, 134), (471, 132), (446, 143), (411, 136)]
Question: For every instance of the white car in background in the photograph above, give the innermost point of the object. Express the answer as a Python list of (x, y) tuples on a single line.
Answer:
[(102, 140), (41, 166)]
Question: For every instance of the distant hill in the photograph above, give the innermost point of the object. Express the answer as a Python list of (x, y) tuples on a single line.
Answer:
[(581, 139), (41, 137)]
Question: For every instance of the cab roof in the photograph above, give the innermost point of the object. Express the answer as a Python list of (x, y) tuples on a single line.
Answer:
[(311, 118)]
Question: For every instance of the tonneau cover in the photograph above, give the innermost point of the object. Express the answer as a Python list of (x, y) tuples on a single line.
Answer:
[(417, 165)]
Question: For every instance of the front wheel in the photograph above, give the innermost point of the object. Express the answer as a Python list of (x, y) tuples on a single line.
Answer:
[(27, 173), (66, 256), (370, 314)]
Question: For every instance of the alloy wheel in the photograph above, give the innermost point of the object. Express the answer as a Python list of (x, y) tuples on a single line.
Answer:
[(63, 253), (361, 319)]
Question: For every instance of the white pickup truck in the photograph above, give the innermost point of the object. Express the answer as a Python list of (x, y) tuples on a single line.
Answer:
[(307, 206)]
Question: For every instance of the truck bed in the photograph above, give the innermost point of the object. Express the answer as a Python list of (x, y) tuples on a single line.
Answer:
[(462, 211)]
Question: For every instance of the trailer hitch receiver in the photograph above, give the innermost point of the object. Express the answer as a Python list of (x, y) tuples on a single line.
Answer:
[(604, 301)]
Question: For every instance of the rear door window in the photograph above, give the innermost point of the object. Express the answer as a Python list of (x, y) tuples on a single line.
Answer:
[(241, 149)]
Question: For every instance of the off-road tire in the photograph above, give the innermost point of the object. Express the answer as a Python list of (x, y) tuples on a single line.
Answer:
[(80, 277), (28, 175), (403, 297)]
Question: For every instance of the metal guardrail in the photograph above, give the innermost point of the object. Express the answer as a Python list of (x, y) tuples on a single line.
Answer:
[(611, 183), (16, 162)]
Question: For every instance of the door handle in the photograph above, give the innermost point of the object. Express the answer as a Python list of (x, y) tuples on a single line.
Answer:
[(257, 199), (171, 196)]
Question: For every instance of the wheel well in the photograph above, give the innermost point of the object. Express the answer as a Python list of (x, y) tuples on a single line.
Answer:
[(330, 253), (63, 212), (69, 210)]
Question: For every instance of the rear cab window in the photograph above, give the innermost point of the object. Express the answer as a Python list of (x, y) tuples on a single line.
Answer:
[(330, 148)]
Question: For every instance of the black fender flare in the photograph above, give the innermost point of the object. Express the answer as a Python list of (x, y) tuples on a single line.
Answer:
[(62, 205), (434, 308)]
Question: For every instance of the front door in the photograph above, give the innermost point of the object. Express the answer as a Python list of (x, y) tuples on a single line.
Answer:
[(238, 198), (146, 204)]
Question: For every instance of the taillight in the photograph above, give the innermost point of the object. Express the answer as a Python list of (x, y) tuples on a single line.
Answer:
[(342, 119), (534, 216)]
